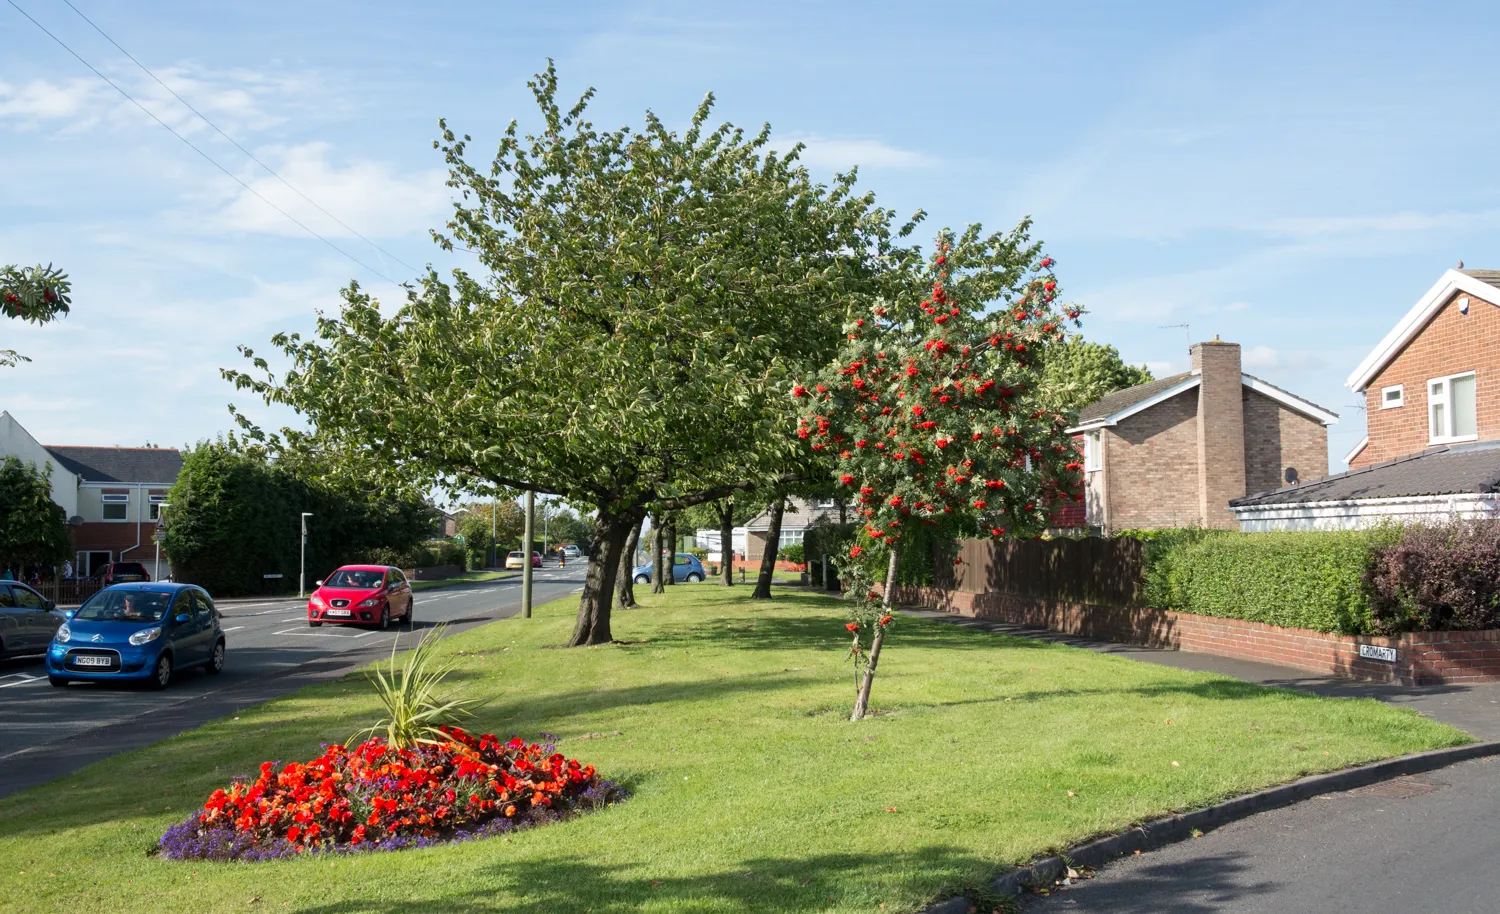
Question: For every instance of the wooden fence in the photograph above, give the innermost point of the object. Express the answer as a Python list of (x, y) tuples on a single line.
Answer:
[(1094, 570), (68, 592)]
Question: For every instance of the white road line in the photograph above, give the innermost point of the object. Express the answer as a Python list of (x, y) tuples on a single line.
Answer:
[(579, 590), (293, 631), (235, 629), (22, 679), (269, 612)]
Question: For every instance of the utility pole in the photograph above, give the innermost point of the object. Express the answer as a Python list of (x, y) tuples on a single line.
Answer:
[(526, 556), (494, 516), (161, 526), (302, 565)]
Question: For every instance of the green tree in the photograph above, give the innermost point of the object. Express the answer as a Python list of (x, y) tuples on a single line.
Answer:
[(645, 295), (723, 515), (33, 528), (932, 410), (35, 294), (1076, 372)]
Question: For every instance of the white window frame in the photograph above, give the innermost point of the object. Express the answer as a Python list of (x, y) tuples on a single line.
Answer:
[(115, 498), (1386, 402), (153, 513), (790, 536), (1093, 451), (1439, 392)]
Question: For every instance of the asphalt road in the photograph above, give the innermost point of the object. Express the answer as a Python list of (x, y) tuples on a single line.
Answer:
[(46, 732), (1421, 843)]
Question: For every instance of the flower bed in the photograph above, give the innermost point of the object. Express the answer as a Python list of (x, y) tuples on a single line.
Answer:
[(375, 797)]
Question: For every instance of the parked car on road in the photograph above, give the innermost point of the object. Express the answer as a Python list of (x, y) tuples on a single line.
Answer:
[(28, 620), (121, 573), (138, 632), (361, 595), (685, 567)]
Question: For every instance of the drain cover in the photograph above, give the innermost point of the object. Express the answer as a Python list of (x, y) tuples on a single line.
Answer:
[(1399, 788)]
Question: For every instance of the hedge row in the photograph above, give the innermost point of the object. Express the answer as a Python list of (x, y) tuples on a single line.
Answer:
[(1383, 580)]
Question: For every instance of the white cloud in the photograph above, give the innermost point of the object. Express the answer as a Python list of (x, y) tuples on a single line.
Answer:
[(1261, 357), (43, 100), (369, 196), (828, 152)]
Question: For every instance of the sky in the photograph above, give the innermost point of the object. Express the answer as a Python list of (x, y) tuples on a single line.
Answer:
[(1288, 176)]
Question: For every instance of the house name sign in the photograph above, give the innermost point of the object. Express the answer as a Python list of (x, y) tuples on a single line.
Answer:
[(1377, 652)]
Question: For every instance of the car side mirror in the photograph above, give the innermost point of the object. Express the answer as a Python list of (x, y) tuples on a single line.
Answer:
[(183, 618), (317, 583), (50, 604)]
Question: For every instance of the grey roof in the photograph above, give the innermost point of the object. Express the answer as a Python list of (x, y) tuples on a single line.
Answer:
[(800, 512), (1492, 277), (1118, 400), (120, 464), (1455, 469)]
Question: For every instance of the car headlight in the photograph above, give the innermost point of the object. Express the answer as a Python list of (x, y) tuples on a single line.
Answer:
[(64, 634), (316, 600), (146, 635), (373, 601)]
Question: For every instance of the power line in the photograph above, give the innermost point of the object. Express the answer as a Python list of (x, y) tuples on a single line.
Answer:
[(235, 143), (190, 145)]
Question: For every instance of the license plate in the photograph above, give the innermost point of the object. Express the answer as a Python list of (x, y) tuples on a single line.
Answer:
[(92, 661), (339, 612)]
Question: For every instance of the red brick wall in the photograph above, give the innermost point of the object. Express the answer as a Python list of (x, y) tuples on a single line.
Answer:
[(1422, 657), (1151, 461), (1451, 343), (116, 536), (1277, 438)]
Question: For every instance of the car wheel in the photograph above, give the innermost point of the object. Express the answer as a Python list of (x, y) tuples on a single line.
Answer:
[(694, 578), (409, 620), (642, 579), (385, 617), (57, 682), (161, 677), (312, 624), (216, 660)]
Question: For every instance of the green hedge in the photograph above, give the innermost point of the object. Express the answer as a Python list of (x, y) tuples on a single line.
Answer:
[(1315, 579)]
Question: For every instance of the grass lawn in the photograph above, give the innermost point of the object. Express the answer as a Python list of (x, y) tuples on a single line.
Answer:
[(468, 577), (751, 790)]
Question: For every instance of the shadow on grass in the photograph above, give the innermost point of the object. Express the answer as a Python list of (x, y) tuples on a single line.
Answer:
[(1207, 885), (825, 632), (765, 884)]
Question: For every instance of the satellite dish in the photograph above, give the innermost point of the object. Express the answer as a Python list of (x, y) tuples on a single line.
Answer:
[(1291, 475), (75, 521)]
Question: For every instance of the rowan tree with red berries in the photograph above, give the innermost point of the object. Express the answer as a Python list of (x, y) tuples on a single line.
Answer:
[(35, 294), (933, 411)]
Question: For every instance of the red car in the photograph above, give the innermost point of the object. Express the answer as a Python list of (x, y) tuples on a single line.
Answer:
[(361, 595), (121, 573)]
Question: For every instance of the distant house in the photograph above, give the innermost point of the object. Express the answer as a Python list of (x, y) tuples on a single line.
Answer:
[(800, 514), (1432, 398), (111, 495), (1174, 452)]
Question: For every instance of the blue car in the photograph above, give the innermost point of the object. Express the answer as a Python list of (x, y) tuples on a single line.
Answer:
[(138, 632), (684, 568)]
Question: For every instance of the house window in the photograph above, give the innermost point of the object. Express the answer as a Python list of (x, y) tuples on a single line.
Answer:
[(156, 502), (823, 503), (1392, 397), (116, 507), (1451, 409), (788, 537), (1093, 451)]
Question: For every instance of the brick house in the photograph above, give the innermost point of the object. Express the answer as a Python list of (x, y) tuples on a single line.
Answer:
[(1432, 396), (112, 495), (800, 514), (1175, 451)]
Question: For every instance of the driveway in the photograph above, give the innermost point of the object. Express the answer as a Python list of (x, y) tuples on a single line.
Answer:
[(46, 733)]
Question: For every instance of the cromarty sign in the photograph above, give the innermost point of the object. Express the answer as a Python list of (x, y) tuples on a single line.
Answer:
[(1376, 652)]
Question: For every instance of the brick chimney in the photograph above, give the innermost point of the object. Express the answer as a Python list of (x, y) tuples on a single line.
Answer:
[(1221, 431)]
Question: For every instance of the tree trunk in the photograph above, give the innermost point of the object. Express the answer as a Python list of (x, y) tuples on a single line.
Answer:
[(862, 698), (606, 541), (768, 560), (625, 576), (658, 538), (669, 576), (726, 542)]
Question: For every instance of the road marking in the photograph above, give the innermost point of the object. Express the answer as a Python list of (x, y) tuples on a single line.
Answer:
[(293, 631), (269, 612), (22, 679), (235, 629), (579, 590)]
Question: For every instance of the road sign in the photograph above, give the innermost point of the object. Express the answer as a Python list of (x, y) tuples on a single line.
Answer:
[(1376, 652)]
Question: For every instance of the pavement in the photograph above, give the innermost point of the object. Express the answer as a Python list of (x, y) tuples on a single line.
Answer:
[(1421, 843), (46, 732)]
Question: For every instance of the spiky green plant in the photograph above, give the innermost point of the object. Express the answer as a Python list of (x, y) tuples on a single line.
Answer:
[(416, 706)]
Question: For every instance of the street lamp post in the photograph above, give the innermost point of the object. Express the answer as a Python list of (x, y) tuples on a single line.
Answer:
[(302, 565), (161, 526), (526, 555)]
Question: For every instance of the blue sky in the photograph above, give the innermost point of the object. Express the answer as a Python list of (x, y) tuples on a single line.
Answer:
[(1291, 176)]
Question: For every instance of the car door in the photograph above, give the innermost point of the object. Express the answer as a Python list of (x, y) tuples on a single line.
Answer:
[(35, 618), (681, 565), (401, 592), (14, 638), (187, 635), (207, 618)]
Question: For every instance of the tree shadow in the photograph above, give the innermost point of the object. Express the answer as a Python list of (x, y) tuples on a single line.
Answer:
[(822, 632), (763, 884), (1204, 885)]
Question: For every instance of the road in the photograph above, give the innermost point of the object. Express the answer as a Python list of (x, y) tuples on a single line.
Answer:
[(46, 732), (1421, 843)]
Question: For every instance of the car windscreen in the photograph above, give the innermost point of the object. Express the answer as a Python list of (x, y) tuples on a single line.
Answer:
[(124, 606), (518, 555), (129, 568), (359, 580)]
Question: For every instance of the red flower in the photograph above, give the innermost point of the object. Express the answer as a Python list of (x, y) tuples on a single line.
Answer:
[(852, 626)]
